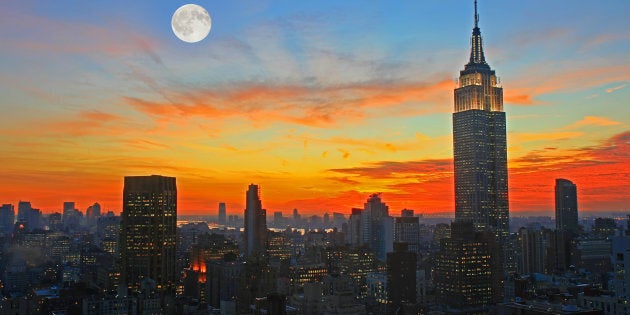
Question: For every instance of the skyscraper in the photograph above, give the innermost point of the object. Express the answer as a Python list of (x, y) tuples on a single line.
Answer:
[(222, 214), (479, 141), (468, 269), (148, 231), (401, 278), (566, 206), (7, 218), (377, 227), (255, 223)]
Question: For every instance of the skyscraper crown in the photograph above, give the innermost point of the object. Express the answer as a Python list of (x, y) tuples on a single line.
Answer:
[(477, 59)]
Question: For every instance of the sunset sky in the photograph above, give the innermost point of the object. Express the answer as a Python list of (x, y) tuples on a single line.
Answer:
[(319, 102)]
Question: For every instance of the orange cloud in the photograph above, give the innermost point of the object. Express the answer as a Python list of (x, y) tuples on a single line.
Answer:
[(592, 121), (315, 106)]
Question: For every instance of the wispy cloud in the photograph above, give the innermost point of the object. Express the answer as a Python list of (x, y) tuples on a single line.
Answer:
[(592, 121), (615, 88), (315, 106)]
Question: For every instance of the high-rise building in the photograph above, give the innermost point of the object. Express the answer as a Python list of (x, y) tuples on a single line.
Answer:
[(401, 278), (222, 214), (480, 148), (468, 274), (566, 206), (377, 227), (29, 216), (353, 236), (92, 213), (620, 256), (255, 223), (148, 232), (533, 244), (407, 230), (24, 208), (7, 218)]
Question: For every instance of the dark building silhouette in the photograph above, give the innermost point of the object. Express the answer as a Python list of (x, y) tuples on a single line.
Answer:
[(29, 217), (222, 214), (479, 142), (7, 218), (148, 232), (604, 227), (566, 225), (566, 206), (401, 278), (255, 223)]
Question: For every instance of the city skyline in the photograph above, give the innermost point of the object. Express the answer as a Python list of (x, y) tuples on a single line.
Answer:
[(321, 104)]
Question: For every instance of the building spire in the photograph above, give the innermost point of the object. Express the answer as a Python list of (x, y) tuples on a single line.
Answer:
[(476, 51), (476, 16)]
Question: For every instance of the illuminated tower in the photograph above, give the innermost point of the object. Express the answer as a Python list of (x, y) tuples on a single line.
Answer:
[(255, 223), (479, 141), (148, 232)]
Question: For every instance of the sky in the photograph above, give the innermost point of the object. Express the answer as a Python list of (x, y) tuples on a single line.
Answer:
[(321, 103)]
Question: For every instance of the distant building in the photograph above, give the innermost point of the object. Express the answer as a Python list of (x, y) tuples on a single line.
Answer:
[(222, 214), (255, 223), (604, 227), (406, 213), (30, 217), (533, 244), (620, 260), (377, 227), (353, 236), (7, 218), (566, 206), (92, 213), (148, 232), (407, 230)]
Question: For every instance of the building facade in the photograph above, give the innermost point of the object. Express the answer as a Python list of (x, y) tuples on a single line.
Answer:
[(148, 232)]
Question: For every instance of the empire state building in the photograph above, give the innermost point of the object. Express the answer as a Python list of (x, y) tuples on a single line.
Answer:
[(479, 141)]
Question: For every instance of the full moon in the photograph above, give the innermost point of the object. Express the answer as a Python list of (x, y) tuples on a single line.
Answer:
[(191, 23)]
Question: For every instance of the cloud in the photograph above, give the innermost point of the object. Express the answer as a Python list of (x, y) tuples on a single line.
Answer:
[(45, 36), (315, 106), (420, 170), (618, 87), (592, 121)]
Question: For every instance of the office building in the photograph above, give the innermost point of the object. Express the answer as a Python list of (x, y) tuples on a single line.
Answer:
[(407, 230), (377, 227), (148, 232), (222, 214), (7, 218), (479, 142), (255, 223), (566, 206), (468, 272), (401, 278)]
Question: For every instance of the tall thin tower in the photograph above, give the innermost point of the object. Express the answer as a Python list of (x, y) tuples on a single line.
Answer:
[(480, 148), (255, 223)]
